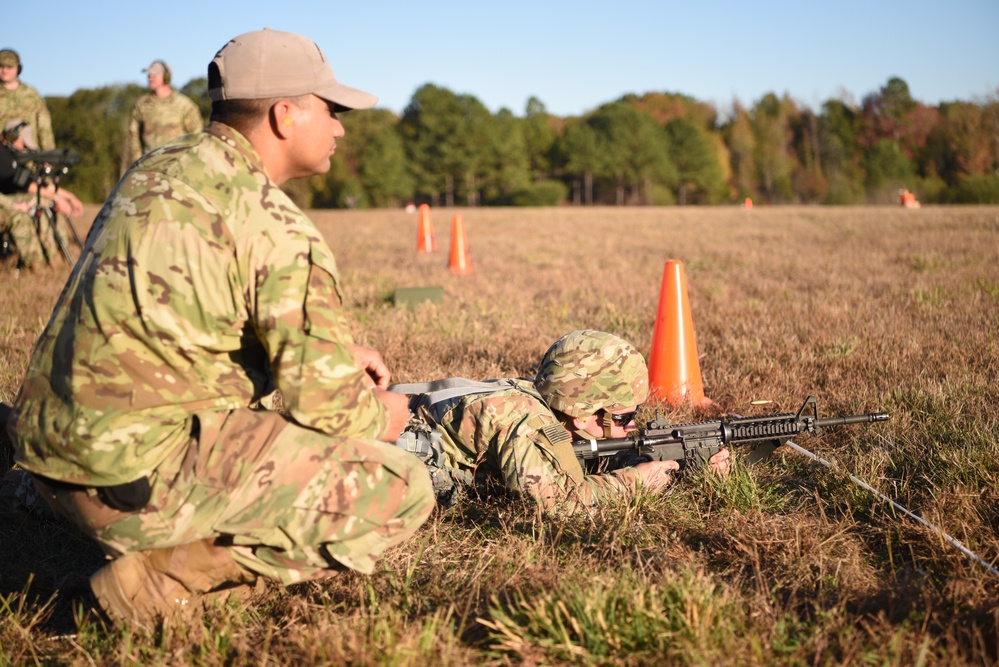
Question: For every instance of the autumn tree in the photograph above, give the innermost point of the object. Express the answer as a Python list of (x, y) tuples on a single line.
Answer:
[(503, 159), (699, 174), (579, 153), (94, 123), (741, 143), (539, 138), (771, 119), (633, 152), (436, 138), (840, 153)]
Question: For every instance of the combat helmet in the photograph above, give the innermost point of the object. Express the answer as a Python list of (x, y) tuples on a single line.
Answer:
[(587, 371)]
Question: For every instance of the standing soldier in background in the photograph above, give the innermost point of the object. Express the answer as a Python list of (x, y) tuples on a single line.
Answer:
[(19, 100), (161, 115), (202, 289)]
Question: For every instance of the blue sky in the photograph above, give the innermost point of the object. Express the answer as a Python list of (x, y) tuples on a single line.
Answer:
[(573, 56)]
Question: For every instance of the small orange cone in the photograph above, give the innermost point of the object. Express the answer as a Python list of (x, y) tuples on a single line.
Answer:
[(674, 371), (459, 262), (749, 203), (426, 241)]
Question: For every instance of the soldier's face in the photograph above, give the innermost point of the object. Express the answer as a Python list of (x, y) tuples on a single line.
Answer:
[(623, 422), (155, 80), (315, 137), (619, 427), (8, 73)]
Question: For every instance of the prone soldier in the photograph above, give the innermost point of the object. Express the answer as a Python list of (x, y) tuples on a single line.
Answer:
[(519, 431)]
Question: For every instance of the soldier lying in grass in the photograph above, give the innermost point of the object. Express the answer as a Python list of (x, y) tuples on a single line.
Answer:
[(519, 432)]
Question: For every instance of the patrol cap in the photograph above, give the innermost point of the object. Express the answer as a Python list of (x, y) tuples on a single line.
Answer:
[(271, 63), (586, 371), (9, 58)]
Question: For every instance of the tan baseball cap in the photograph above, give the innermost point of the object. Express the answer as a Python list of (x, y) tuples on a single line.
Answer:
[(271, 63), (158, 67)]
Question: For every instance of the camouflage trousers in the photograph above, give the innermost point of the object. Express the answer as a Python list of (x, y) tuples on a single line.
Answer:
[(289, 503), (21, 228)]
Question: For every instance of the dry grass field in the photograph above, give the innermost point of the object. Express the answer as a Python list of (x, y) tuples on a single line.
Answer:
[(785, 562)]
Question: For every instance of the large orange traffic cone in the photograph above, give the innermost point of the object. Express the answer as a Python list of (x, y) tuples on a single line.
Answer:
[(674, 371), (460, 262), (426, 241)]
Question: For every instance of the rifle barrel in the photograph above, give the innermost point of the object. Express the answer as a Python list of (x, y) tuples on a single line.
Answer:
[(852, 419)]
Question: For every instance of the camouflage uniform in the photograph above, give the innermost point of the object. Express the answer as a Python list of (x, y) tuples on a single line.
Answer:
[(21, 227), (157, 120), (19, 224), (25, 103), (202, 288), (512, 434)]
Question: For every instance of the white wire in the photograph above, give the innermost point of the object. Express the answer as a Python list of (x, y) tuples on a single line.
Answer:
[(861, 483)]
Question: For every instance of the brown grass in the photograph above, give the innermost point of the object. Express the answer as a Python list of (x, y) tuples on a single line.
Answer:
[(786, 563)]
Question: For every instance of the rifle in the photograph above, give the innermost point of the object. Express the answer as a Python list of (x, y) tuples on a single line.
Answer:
[(693, 444)]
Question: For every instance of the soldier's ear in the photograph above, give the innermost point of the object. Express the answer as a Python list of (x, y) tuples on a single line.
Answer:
[(283, 118)]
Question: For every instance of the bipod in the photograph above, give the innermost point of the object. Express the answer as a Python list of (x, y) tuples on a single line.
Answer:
[(51, 215), (953, 541)]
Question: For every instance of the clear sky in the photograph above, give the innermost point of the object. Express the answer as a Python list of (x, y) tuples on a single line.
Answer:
[(572, 55)]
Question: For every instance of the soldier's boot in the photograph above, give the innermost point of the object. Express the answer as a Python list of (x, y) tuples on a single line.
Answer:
[(172, 584)]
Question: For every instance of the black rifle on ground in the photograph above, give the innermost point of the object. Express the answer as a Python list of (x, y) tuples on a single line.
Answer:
[(693, 444)]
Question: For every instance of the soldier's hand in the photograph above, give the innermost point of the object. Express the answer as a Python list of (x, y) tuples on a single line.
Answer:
[(398, 408), (657, 474), (721, 462), (68, 204), (370, 361)]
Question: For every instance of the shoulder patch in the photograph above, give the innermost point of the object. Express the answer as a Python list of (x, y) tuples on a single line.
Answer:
[(556, 433)]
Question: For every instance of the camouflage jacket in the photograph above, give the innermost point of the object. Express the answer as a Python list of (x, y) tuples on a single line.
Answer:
[(512, 435), (201, 288), (24, 103), (157, 120)]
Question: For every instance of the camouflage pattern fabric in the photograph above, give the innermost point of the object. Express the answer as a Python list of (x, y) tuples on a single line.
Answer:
[(35, 246), (292, 499), (26, 104), (18, 496), (157, 120), (586, 371), (202, 288), (21, 228), (512, 436)]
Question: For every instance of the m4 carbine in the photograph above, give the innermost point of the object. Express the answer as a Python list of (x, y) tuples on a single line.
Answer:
[(693, 444)]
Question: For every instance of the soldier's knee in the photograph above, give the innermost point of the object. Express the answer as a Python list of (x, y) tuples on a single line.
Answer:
[(418, 498), (421, 489)]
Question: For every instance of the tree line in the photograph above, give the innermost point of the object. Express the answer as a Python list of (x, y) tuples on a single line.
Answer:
[(655, 149)]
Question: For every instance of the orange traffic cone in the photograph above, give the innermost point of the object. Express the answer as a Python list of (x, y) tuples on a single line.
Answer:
[(674, 371), (459, 262), (426, 241)]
